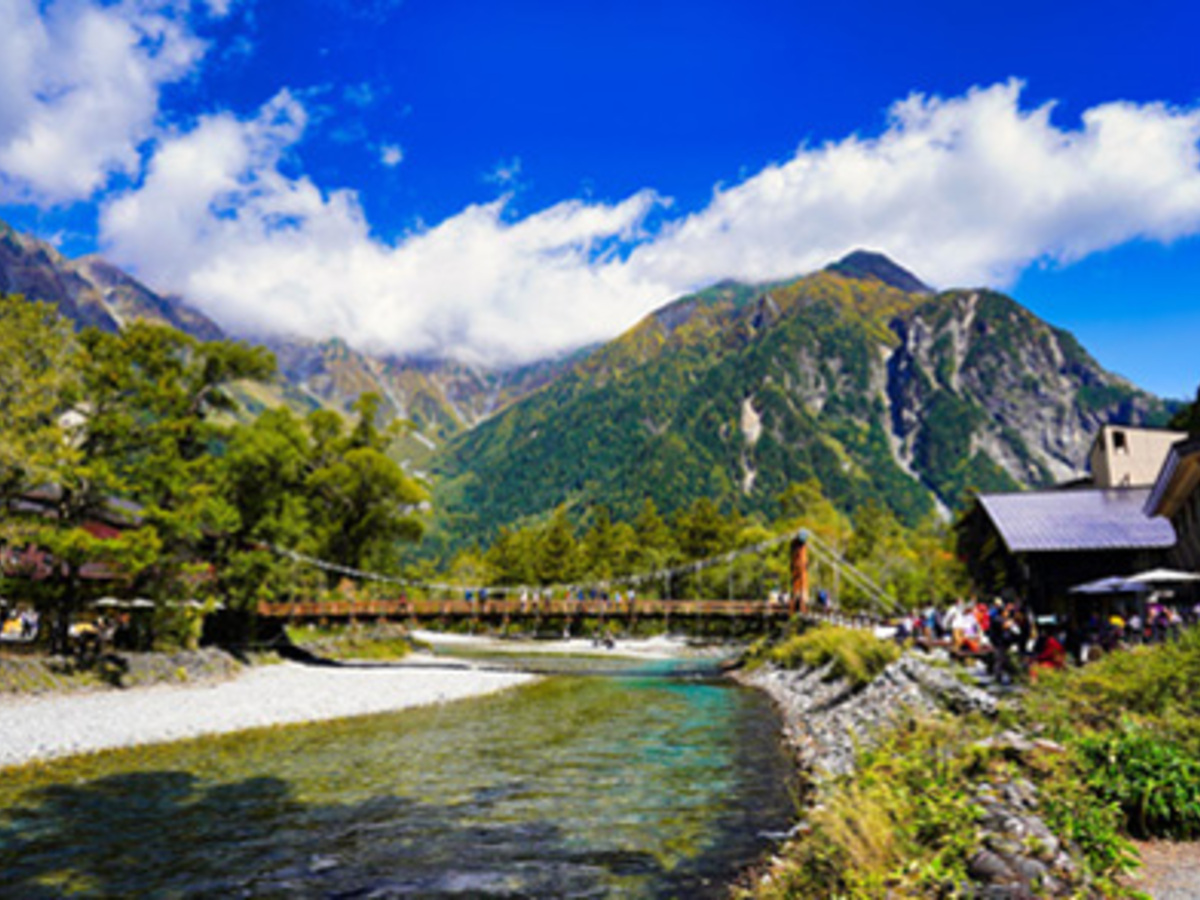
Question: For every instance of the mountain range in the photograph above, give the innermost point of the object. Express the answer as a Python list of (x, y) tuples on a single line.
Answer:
[(859, 375)]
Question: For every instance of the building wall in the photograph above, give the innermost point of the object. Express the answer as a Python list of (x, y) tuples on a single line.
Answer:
[(1130, 457), (1186, 553)]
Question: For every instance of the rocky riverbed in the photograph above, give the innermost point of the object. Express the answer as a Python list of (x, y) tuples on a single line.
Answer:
[(36, 727), (827, 720)]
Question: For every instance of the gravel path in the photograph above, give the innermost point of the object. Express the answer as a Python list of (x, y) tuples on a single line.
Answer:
[(35, 728), (1170, 871)]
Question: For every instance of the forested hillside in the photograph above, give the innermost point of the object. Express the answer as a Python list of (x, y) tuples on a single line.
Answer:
[(857, 376)]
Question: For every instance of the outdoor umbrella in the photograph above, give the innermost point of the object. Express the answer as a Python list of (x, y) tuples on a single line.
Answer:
[(1163, 576), (1113, 584)]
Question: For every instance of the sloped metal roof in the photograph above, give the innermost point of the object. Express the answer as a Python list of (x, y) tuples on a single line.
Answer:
[(1077, 520)]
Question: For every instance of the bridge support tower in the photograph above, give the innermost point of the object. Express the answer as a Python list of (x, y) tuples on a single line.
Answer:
[(798, 601)]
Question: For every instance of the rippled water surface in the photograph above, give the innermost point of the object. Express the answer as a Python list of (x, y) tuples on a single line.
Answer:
[(577, 786)]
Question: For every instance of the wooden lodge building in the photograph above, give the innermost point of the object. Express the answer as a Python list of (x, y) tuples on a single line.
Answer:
[(1139, 510), (1176, 497)]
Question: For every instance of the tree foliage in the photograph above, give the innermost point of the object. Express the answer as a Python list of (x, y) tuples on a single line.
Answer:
[(915, 566), (121, 429)]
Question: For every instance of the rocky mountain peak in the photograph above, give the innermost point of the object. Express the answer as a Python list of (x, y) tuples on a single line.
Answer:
[(864, 264)]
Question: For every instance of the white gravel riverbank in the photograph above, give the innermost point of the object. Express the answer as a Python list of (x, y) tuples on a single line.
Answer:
[(44, 727)]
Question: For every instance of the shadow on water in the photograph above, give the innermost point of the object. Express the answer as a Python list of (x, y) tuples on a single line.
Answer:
[(153, 834)]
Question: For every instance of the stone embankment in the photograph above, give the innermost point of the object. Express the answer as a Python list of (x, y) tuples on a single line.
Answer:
[(827, 721)]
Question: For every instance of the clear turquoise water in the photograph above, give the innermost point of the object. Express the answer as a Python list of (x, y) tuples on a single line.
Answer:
[(633, 786)]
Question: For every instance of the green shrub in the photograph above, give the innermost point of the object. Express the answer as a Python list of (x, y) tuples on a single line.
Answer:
[(858, 656), (1155, 783), (1154, 686)]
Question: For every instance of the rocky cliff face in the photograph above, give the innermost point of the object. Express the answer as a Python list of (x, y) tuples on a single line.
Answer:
[(858, 376), (442, 398), (975, 376), (89, 291)]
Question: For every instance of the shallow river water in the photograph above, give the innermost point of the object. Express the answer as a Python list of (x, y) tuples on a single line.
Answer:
[(627, 781)]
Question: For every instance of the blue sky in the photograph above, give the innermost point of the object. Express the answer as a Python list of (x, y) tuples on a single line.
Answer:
[(502, 180)]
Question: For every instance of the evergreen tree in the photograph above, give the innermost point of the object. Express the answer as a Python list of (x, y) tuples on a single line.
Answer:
[(702, 531), (598, 547), (655, 546), (558, 554)]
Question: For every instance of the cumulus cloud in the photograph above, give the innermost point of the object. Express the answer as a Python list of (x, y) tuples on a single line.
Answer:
[(963, 190), (79, 89), (217, 220)]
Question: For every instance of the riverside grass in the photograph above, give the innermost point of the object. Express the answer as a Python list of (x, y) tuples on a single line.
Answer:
[(904, 824), (378, 642), (855, 655)]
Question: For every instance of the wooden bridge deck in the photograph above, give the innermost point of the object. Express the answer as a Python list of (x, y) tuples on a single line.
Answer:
[(402, 609)]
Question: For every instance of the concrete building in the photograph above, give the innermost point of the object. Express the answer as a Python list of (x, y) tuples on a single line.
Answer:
[(1125, 457)]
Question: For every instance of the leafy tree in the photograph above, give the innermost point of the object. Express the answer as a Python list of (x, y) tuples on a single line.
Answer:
[(37, 381), (121, 434), (151, 393), (365, 504), (312, 488), (264, 479)]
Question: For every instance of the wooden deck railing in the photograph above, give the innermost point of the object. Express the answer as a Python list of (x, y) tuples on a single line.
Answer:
[(515, 608)]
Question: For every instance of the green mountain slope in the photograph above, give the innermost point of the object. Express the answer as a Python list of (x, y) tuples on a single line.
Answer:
[(881, 392), (858, 375)]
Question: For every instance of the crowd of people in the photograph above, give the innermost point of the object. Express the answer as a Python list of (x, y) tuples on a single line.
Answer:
[(1007, 637)]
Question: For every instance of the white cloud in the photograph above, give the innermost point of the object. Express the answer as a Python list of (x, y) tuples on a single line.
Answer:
[(965, 190), (216, 220), (79, 89), (391, 155)]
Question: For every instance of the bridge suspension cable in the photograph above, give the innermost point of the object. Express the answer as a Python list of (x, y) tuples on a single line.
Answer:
[(822, 551), (883, 601)]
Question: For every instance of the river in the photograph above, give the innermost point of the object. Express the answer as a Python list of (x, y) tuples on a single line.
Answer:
[(628, 779)]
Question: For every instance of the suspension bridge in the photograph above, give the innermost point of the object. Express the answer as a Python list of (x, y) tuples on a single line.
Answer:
[(760, 587)]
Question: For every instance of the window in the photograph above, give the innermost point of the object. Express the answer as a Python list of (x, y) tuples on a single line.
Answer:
[(1120, 445)]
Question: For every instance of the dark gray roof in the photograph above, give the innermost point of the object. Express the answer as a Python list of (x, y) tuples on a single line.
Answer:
[(1077, 520)]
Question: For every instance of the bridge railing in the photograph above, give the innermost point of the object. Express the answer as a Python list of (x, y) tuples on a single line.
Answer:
[(405, 608)]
